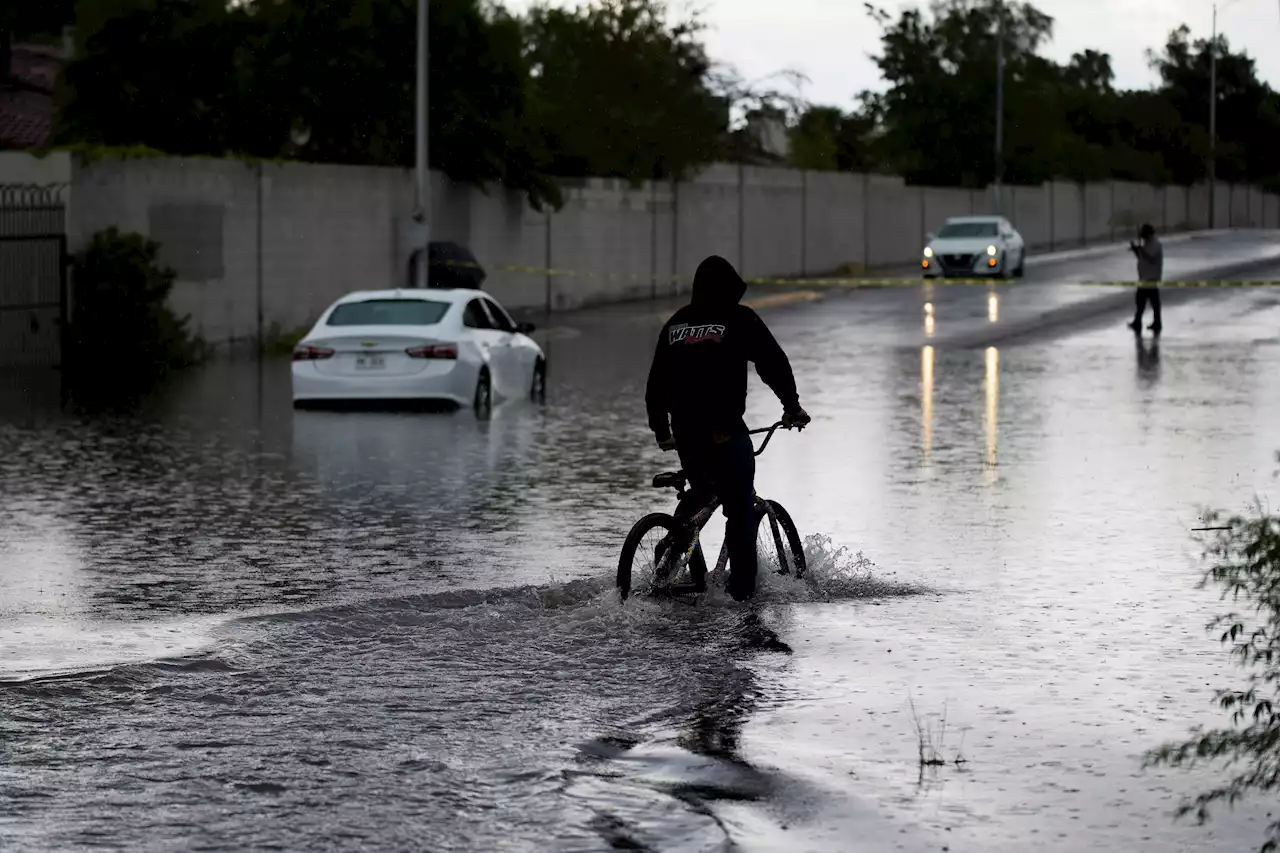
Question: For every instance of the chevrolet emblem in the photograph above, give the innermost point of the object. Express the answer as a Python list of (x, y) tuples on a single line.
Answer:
[(368, 344)]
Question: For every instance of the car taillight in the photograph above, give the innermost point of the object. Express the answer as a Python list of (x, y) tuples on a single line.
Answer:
[(306, 353), (433, 351)]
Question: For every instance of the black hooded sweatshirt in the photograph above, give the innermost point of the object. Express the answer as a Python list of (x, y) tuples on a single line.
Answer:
[(699, 372)]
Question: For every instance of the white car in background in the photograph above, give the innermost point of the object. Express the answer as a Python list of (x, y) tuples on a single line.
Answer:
[(972, 246), (451, 346)]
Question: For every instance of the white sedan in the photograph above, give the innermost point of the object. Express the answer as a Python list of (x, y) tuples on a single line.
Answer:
[(452, 346), (971, 246)]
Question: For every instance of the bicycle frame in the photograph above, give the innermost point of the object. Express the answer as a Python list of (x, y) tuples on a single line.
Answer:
[(700, 518), (697, 522)]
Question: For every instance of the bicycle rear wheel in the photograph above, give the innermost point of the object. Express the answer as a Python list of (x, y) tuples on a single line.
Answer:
[(778, 539), (647, 554)]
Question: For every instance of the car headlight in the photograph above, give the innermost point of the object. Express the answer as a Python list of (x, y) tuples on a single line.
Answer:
[(928, 252), (991, 250)]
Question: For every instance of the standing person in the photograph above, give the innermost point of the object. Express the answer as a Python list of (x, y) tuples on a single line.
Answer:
[(698, 380), (1150, 256)]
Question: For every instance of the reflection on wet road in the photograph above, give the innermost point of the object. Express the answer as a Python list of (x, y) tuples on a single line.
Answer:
[(232, 626)]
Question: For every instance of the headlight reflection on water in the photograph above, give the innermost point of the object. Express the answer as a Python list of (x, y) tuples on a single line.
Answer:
[(926, 399), (993, 409)]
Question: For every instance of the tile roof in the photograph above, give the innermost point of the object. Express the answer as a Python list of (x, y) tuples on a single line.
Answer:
[(26, 118), (27, 110)]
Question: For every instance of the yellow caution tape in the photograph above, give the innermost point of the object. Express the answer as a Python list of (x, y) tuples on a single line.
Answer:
[(844, 281)]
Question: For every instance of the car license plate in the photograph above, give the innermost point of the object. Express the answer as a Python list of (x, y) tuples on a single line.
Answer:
[(371, 362)]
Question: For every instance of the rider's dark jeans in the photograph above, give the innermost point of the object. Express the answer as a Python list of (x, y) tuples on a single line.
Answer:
[(728, 469)]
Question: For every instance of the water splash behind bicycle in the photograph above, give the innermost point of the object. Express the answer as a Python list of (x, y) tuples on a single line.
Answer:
[(834, 573)]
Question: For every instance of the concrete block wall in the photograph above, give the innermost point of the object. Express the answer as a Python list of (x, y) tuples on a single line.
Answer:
[(128, 193), (773, 216), (837, 220), (895, 227), (707, 213), (21, 168), (326, 230), (1027, 208), (609, 229), (1222, 204), (942, 203), (1197, 207), (1066, 202), (298, 236)]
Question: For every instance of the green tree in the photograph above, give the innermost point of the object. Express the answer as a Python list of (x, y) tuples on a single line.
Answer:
[(325, 82), (1248, 121), (121, 307), (1244, 565), (1060, 121), (829, 139), (939, 110), (162, 73), (616, 89)]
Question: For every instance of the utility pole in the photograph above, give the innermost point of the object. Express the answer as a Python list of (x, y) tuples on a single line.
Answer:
[(999, 104), (1213, 120), (422, 175), (1213, 112)]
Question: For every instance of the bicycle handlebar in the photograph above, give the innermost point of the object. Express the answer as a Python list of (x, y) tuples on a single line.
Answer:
[(769, 433)]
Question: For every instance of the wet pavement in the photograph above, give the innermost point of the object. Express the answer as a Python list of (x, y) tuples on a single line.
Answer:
[(226, 625)]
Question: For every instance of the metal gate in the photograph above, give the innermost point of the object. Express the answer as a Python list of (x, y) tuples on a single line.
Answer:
[(33, 276)]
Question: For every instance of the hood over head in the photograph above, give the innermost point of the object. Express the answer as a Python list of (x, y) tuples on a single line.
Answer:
[(717, 282)]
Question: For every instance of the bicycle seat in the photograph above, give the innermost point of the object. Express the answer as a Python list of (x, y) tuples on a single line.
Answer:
[(670, 480)]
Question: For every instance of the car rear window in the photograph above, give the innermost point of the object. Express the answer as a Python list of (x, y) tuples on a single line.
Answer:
[(388, 312), (969, 229)]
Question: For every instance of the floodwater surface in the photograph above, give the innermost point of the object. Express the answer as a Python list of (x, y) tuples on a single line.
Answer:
[(226, 625)]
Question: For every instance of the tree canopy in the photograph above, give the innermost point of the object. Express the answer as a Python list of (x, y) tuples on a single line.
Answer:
[(620, 88), (613, 89), (619, 91), (935, 122)]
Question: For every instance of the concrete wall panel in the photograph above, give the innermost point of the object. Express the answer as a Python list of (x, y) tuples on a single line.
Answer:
[(326, 230), (835, 222), (1028, 209), (896, 223), (1097, 213)]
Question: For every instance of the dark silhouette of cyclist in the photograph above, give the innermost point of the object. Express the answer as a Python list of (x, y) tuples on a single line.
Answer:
[(697, 395)]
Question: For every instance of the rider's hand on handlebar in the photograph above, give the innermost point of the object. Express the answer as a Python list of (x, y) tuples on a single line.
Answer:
[(667, 444), (796, 419)]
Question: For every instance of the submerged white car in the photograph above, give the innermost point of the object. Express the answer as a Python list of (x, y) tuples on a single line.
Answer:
[(972, 246), (456, 347)]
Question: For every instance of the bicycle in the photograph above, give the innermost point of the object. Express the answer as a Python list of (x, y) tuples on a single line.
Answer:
[(679, 566)]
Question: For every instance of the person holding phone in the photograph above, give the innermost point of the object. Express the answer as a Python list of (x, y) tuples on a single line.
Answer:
[(1150, 255)]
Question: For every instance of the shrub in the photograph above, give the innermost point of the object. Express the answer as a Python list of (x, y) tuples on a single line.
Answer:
[(1244, 563), (281, 341), (121, 325)]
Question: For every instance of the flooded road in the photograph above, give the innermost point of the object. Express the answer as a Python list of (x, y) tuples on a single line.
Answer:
[(226, 625)]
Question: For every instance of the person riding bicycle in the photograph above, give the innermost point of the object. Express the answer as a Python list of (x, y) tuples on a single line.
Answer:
[(696, 398)]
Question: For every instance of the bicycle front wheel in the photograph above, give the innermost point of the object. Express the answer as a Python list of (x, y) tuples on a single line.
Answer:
[(778, 540), (651, 551)]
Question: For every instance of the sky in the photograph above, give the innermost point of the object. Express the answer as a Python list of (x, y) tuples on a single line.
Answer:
[(829, 40)]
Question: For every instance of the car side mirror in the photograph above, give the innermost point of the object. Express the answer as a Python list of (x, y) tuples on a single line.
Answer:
[(525, 328)]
